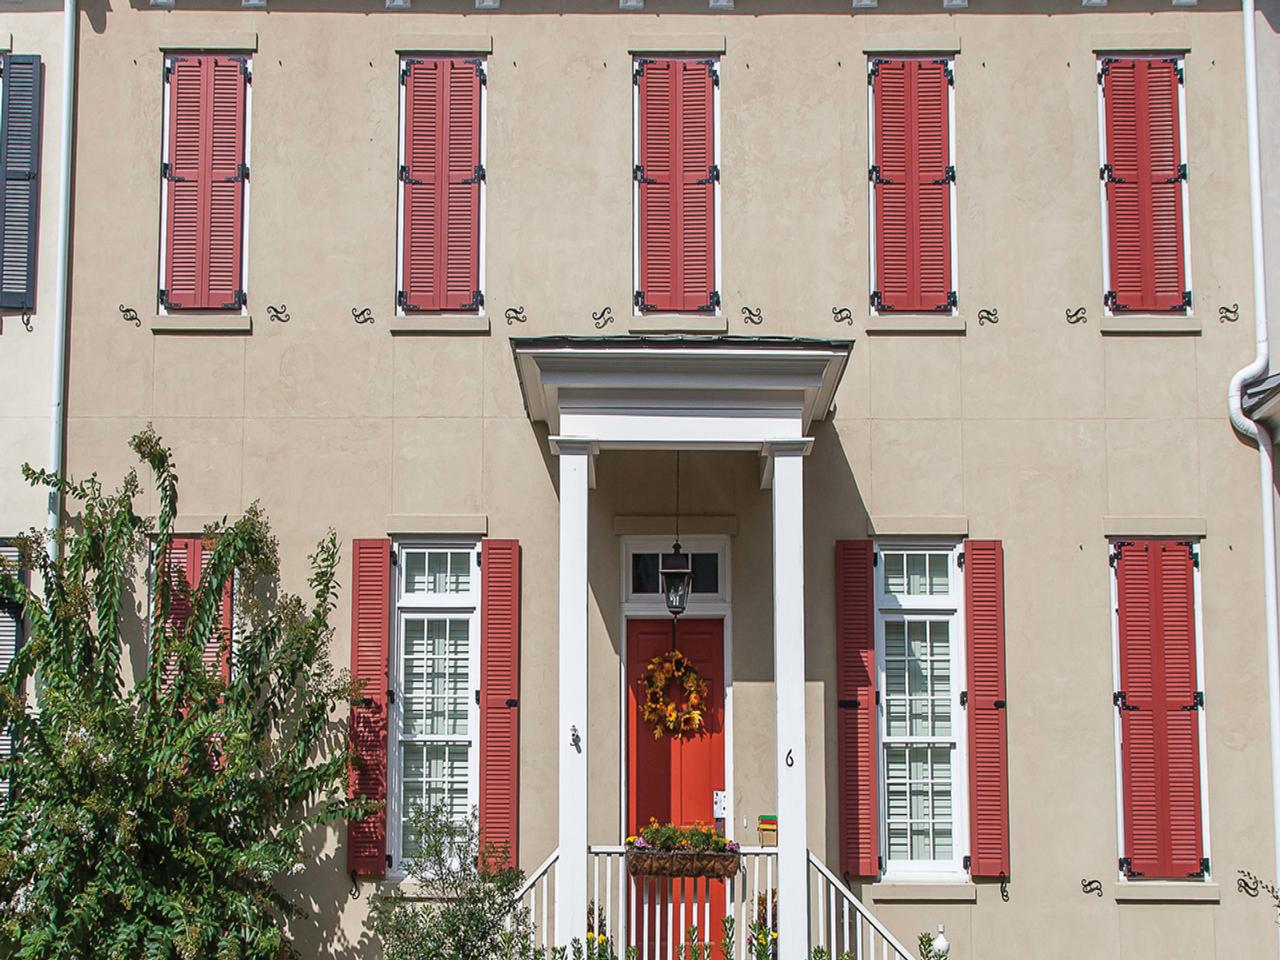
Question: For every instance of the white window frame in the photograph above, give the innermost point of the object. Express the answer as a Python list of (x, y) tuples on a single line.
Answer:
[(484, 185), (717, 206), (166, 97), (1202, 726), (1102, 184), (951, 608), (871, 187), (404, 608)]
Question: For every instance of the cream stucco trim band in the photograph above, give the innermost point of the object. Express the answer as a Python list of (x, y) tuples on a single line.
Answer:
[(1154, 325), (1154, 527), (1141, 43), (676, 43), (433, 524), (435, 324), (912, 43), (245, 41), (445, 43), (640, 526), (6, 42), (948, 326), (677, 323), (917, 526)]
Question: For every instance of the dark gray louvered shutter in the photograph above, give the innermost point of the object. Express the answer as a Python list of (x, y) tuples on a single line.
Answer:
[(10, 635), (20, 104)]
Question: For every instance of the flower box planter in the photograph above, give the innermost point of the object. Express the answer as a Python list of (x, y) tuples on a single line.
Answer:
[(682, 863)]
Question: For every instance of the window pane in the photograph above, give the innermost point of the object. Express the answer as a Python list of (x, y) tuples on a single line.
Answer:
[(942, 718), (459, 572), (894, 578), (917, 582), (706, 573), (939, 573), (942, 843), (917, 638), (898, 849), (895, 644), (436, 677), (437, 571), (919, 717), (415, 571), (434, 774), (895, 673), (896, 718), (644, 573), (919, 802), (921, 848)]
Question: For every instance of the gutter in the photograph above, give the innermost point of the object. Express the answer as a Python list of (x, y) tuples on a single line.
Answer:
[(58, 412), (1254, 429)]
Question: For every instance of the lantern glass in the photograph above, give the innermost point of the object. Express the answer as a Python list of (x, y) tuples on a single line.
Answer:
[(677, 575)]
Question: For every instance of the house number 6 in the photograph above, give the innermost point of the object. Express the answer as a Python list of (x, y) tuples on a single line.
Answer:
[(791, 760)]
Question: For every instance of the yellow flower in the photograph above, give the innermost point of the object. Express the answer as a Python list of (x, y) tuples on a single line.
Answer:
[(775, 934)]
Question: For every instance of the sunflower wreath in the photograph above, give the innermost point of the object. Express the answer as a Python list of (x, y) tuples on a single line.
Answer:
[(663, 713)]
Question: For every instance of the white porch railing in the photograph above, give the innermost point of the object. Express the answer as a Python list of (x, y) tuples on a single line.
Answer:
[(654, 915), (841, 924)]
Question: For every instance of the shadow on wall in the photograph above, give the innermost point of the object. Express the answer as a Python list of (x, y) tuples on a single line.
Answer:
[(1270, 10)]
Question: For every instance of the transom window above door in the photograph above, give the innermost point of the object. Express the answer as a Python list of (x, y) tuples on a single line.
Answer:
[(642, 562)]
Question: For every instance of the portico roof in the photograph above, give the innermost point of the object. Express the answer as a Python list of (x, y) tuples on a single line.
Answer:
[(691, 391)]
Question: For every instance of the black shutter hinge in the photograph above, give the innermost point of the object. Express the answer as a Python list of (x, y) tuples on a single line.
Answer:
[(479, 65), (476, 301), (164, 298), (1104, 68), (948, 175), (513, 702), (953, 301), (395, 558), (877, 301), (947, 71), (999, 704), (964, 698), (877, 698), (477, 697), (238, 301), (1126, 867), (388, 861), (713, 302), (1177, 67), (391, 695), (240, 176), (1197, 702), (875, 559), (404, 177), (1203, 871), (1186, 299), (477, 175), (402, 300), (874, 71), (960, 560), (1112, 301), (405, 69), (1121, 701), (1106, 173), (478, 558), (1191, 549), (713, 175), (637, 174), (968, 862), (640, 304), (244, 69), (711, 71), (848, 704), (1180, 176), (880, 862), (875, 176), (638, 72)]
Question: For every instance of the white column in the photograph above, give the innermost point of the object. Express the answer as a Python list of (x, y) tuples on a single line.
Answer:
[(571, 870), (788, 674)]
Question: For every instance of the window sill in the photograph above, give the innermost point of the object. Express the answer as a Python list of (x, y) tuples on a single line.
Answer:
[(201, 323), (678, 323), (940, 325), (404, 887), (1166, 891), (457, 323), (1151, 324), (921, 892)]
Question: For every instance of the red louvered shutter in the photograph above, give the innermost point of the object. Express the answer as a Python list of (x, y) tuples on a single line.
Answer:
[(500, 697), (441, 177), (206, 176), (370, 627), (1144, 175), (912, 177), (856, 708), (988, 749), (217, 648), (677, 176), (1159, 729)]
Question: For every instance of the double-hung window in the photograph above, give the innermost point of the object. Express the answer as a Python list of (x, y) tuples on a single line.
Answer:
[(204, 176), (434, 683), (440, 267), (676, 172), (1144, 184), (20, 102), (920, 650), (913, 184), (10, 640)]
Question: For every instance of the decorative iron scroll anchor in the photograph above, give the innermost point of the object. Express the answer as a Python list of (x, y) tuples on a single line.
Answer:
[(603, 318), (515, 315), (362, 314), (130, 315), (842, 315), (1075, 316), (26, 320), (988, 315), (754, 317), (278, 313), (1229, 314), (1091, 886)]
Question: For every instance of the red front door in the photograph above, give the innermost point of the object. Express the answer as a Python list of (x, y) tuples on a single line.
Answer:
[(674, 781)]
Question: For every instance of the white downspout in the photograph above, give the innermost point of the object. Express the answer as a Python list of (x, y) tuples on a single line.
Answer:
[(1254, 430), (57, 416)]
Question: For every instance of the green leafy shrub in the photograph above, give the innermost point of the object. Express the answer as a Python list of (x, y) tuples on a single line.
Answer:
[(154, 809)]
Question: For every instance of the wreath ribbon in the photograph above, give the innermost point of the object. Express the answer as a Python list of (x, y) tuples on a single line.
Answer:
[(663, 713)]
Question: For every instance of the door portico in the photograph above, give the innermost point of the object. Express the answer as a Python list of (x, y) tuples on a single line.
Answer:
[(676, 393)]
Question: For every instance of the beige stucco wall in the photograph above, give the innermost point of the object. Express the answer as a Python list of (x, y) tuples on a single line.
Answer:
[(26, 359), (1034, 429)]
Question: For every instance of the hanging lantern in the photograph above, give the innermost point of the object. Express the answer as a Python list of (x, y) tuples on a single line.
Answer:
[(677, 577)]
